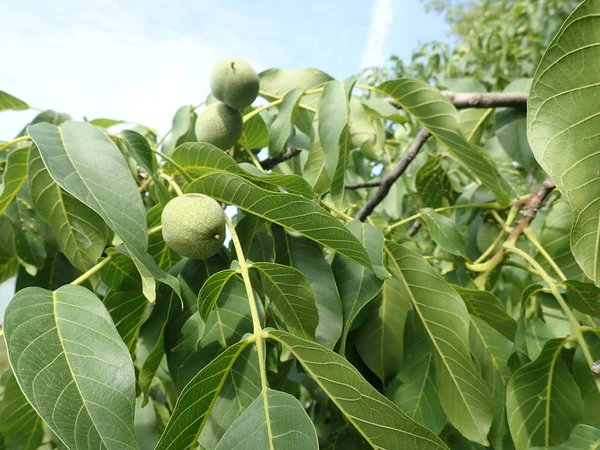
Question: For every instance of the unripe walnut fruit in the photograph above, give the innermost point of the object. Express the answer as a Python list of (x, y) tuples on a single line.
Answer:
[(193, 225), (234, 82), (219, 125)]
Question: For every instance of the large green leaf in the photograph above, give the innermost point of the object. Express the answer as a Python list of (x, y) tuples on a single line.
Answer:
[(293, 297), (565, 144), (20, 425), (211, 291), (87, 164), (413, 389), (492, 351), (197, 399), (288, 210), (72, 366), (9, 263), (81, 234), (13, 177), (255, 134), (8, 101), (444, 232), (439, 116), (127, 309), (357, 284), (543, 401), (375, 417), (583, 437), (489, 308), (307, 256), (240, 389), (199, 159), (282, 126), (463, 393), (275, 420), (380, 338)]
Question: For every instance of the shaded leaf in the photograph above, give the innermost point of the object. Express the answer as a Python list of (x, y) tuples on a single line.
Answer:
[(432, 183), (55, 272), (444, 232), (127, 309), (211, 291), (583, 437), (14, 176), (584, 297), (8, 254), (282, 126), (182, 130), (255, 134)]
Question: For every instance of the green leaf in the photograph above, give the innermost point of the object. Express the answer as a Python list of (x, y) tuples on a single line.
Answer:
[(314, 168), (212, 290), (380, 339), (106, 123), (586, 380), (357, 284), (140, 150), (158, 249), (492, 351), (127, 309), (463, 393), (255, 134), (380, 108), (197, 399), (439, 116), (7, 102), (565, 145), (72, 366), (375, 417), (55, 272), (199, 159), (511, 128), (79, 156), (282, 126), (8, 254), (255, 238), (432, 183), (81, 234), (182, 130), (583, 437), (585, 297), (293, 297), (307, 256), (120, 273), (413, 389), (14, 176), (20, 425), (444, 232), (554, 237), (275, 420), (487, 307), (240, 389), (29, 234), (472, 123), (288, 210), (543, 401)]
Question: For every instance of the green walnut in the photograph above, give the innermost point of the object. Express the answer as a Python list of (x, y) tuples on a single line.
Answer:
[(219, 125), (193, 226), (234, 82)]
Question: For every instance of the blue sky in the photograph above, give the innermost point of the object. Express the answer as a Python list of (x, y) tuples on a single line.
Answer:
[(141, 60)]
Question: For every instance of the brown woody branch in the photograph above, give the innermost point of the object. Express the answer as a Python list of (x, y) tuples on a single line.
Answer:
[(462, 100), (368, 184), (532, 205), (269, 163), (387, 181)]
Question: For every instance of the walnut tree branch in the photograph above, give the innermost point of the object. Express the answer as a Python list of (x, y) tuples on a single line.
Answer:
[(393, 175), (462, 100), (269, 163)]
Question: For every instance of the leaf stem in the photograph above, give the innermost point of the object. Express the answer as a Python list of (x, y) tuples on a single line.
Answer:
[(172, 183), (251, 300), (447, 208), (540, 248), (93, 270), (156, 229), (14, 141), (280, 97), (173, 163), (255, 160), (258, 110), (554, 290)]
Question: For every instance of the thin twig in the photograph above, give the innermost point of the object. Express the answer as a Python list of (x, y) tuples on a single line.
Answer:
[(393, 175), (368, 184), (269, 163), (415, 227), (463, 100)]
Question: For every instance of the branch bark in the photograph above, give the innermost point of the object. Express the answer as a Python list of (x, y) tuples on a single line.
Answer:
[(387, 181), (532, 205), (368, 184), (269, 163), (462, 100)]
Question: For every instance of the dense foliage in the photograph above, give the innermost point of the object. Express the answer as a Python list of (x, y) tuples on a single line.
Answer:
[(405, 268)]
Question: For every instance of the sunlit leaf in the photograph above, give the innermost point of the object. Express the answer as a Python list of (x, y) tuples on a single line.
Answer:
[(13, 177), (8, 101), (565, 144), (282, 126), (73, 366)]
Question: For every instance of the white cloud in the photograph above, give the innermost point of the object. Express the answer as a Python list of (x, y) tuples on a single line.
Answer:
[(379, 30), (110, 61)]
